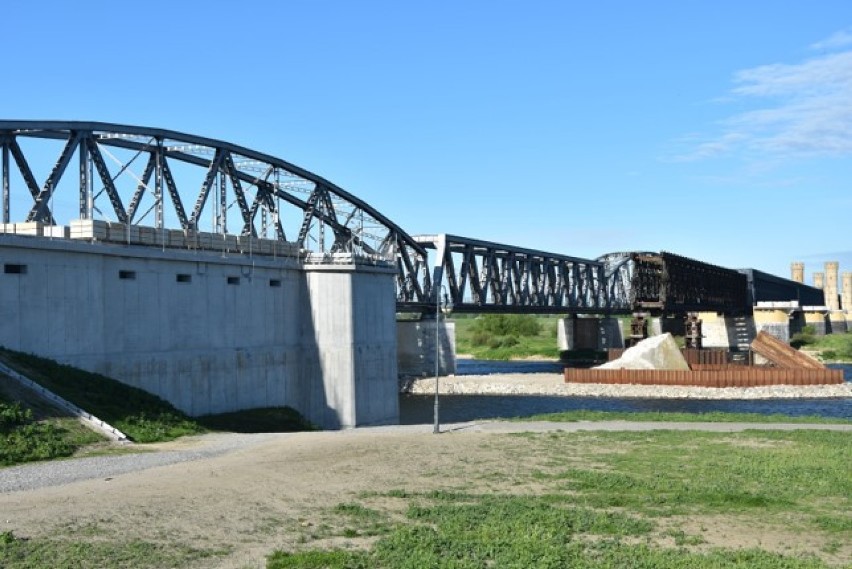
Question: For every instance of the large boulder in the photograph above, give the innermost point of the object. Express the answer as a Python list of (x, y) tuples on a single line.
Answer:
[(656, 352)]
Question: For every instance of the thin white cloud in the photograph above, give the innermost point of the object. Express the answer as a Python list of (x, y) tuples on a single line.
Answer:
[(797, 109), (840, 39)]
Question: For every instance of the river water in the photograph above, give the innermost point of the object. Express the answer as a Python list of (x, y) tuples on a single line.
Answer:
[(418, 409)]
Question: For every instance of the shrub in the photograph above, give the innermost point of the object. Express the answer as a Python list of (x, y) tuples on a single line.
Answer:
[(508, 324), (803, 338), (12, 416)]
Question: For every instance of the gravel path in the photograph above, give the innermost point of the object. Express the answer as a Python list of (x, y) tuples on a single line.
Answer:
[(61, 472), (58, 472)]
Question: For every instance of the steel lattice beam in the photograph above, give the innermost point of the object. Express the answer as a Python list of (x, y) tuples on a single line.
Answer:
[(480, 276)]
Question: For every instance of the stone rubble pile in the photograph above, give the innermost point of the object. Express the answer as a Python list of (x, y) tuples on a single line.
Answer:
[(656, 352)]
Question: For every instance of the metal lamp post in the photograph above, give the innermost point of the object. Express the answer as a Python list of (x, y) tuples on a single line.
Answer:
[(446, 307)]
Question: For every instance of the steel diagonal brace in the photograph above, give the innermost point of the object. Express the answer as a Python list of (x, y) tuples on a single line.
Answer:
[(24, 167), (40, 210), (239, 193), (215, 164), (106, 178), (141, 187), (174, 194), (410, 274)]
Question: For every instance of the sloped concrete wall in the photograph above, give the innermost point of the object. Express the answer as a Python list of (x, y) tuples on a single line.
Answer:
[(207, 332)]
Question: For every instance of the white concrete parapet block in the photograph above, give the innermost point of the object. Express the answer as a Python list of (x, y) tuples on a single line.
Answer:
[(204, 240), (30, 228), (121, 233), (147, 235), (176, 238), (89, 229), (777, 305), (248, 244), (57, 231), (225, 242), (264, 246)]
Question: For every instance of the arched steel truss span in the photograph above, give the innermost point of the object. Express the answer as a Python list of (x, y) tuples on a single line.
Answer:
[(142, 176)]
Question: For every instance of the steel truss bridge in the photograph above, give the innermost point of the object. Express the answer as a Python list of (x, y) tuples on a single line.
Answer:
[(159, 178), (480, 276), (146, 176)]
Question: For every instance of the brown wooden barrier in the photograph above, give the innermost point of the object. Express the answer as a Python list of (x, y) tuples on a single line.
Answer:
[(719, 376), (707, 356)]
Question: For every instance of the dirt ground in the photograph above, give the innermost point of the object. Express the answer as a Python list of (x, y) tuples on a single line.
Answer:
[(278, 490)]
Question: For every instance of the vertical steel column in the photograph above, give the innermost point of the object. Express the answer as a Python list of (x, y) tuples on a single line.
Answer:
[(5, 181), (158, 186), (85, 191), (223, 203)]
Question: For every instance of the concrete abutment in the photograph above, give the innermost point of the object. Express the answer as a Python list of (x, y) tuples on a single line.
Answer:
[(211, 332)]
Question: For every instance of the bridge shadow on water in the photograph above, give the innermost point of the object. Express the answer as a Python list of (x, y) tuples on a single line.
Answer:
[(418, 409)]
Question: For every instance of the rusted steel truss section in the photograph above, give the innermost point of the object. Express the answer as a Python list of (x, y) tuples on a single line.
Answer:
[(480, 276), (148, 176), (670, 283)]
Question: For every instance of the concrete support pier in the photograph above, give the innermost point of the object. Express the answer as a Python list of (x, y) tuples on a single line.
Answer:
[(837, 322), (725, 331), (416, 349), (589, 333), (778, 318), (817, 317)]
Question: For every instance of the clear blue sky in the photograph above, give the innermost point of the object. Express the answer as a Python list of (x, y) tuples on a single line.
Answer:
[(717, 130)]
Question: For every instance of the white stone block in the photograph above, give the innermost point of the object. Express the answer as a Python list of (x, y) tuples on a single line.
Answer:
[(29, 228)]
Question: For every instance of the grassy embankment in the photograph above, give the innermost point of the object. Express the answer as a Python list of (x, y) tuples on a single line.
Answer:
[(660, 499), (506, 336), (830, 348), (32, 430)]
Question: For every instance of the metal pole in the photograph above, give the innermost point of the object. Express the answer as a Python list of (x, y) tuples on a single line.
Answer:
[(437, 427), (6, 188)]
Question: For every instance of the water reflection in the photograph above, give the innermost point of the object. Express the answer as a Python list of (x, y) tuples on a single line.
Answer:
[(417, 409)]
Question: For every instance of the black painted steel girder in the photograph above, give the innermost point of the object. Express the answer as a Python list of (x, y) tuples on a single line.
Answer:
[(481, 276), (665, 282)]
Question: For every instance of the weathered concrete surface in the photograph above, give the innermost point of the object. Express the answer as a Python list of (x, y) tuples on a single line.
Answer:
[(589, 333), (416, 349), (210, 332)]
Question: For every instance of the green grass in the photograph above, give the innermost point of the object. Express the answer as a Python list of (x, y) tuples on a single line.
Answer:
[(143, 417), (140, 415), (650, 416), (17, 553), (833, 347), (503, 337), (772, 471), (607, 500), (24, 439)]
